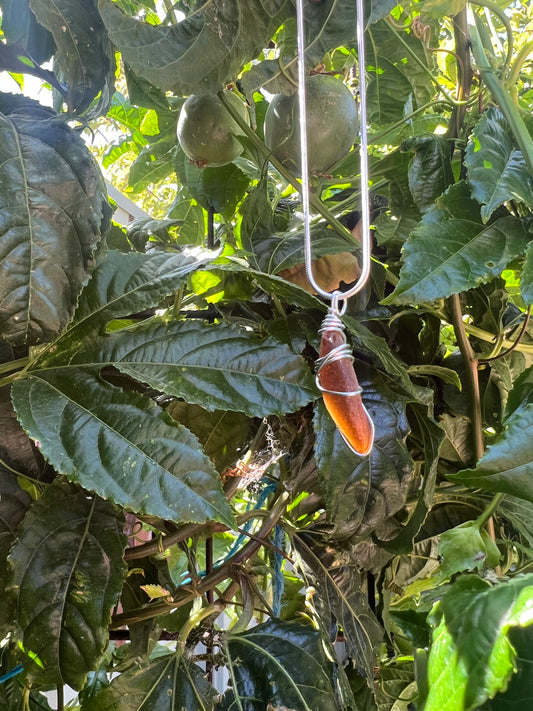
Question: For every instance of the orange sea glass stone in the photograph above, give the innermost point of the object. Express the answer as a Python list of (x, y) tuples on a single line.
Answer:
[(346, 411)]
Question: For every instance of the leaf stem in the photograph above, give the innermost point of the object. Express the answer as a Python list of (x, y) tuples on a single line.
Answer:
[(314, 201), (516, 342), (14, 365), (193, 621), (491, 508)]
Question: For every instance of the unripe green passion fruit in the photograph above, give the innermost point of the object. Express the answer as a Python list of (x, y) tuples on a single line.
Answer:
[(207, 132), (332, 125)]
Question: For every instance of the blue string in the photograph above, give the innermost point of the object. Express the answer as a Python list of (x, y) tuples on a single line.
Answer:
[(278, 584), (10, 674)]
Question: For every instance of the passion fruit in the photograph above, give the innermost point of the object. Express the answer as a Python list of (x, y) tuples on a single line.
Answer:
[(332, 124), (207, 132)]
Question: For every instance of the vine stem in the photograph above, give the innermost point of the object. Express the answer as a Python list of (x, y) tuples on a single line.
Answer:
[(499, 92), (187, 592), (314, 200), (486, 516), (14, 365)]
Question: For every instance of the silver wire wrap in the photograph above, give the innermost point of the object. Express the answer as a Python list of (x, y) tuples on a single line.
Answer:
[(332, 322), (363, 154)]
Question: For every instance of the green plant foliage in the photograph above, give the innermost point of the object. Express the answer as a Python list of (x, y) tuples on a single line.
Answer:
[(13, 506), (496, 168), (166, 683), (260, 660), (507, 464), (71, 544), (163, 471), (177, 507), (471, 657), (442, 255), (51, 235), (201, 53), (467, 547), (84, 58)]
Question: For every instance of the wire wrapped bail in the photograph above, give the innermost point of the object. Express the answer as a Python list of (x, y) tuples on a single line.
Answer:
[(337, 380)]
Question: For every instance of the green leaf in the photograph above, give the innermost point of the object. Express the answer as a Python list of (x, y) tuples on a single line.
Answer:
[(14, 503), (125, 284), (430, 437), (344, 477), (283, 665), (55, 210), (507, 465), (430, 171), (20, 27), (328, 24), (466, 547), (217, 366), (17, 452), (201, 53), (335, 574), (497, 171), (388, 90), (153, 164), (222, 433), (522, 391), (451, 250), (120, 446), (471, 657), (437, 371), (519, 693), (396, 687), (526, 281), (219, 189), (360, 492), (167, 683), (67, 573), (84, 59)]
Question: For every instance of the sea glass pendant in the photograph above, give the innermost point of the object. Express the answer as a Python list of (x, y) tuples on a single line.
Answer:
[(341, 392)]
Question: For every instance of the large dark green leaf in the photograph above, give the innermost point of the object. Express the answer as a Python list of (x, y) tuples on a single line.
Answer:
[(217, 366), (430, 435), (126, 284), (407, 53), (168, 683), (54, 208), (519, 693), (507, 465), (497, 171), (284, 665), (344, 480), (340, 599), (452, 251), (201, 53), (67, 573), (361, 492), (16, 450), (471, 657), (430, 170), (84, 60), (120, 446), (14, 503), (20, 27)]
